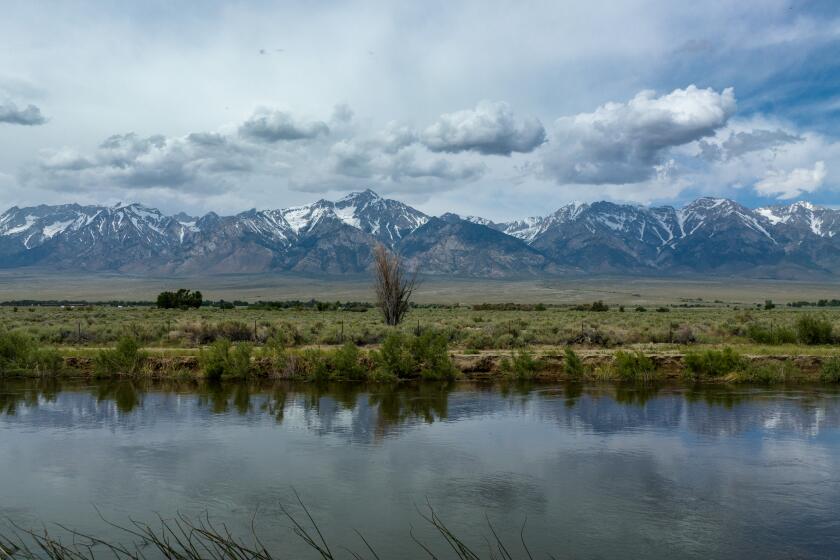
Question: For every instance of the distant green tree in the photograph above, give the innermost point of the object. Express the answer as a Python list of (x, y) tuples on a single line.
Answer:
[(182, 299), (600, 306)]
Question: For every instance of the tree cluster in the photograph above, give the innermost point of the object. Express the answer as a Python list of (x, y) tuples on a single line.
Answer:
[(182, 299)]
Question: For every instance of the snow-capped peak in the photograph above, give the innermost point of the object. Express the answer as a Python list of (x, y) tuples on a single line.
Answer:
[(479, 220), (820, 221), (355, 197), (304, 218), (803, 204)]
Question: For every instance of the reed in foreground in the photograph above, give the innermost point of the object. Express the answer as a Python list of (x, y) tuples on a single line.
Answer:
[(183, 538)]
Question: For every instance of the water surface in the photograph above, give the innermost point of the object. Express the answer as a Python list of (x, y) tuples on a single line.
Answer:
[(598, 471)]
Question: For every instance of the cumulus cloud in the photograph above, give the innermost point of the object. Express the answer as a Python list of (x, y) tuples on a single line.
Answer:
[(743, 142), (194, 162), (207, 162), (491, 129), (10, 113), (786, 185), (758, 149), (622, 143), (352, 159), (342, 113), (396, 136), (369, 161), (268, 125), (410, 164)]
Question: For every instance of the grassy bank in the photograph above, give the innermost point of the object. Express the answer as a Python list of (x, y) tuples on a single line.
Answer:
[(403, 357), (693, 340)]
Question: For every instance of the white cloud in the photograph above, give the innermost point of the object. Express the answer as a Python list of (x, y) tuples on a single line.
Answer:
[(373, 160), (622, 143), (491, 129), (796, 182), (211, 163), (758, 149), (198, 162)]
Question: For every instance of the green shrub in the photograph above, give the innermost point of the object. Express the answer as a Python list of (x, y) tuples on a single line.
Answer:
[(234, 331), (345, 363), (289, 334), (605, 372), (478, 340), (410, 356), (274, 351), (125, 359), (521, 365), (205, 333), (813, 330), (431, 352), (46, 360), (572, 364), (379, 375), (767, 372), (771, 335), (712, 363), (303, 364), (634, 366), (20, 353), (830, 372), (506, 341), (225, 360), (15, 349), (394, 357)]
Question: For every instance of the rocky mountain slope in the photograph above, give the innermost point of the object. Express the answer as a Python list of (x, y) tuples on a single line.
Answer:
[(707, 236)]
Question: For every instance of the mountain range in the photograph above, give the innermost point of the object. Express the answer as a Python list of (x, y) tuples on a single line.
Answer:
[(709, 236)]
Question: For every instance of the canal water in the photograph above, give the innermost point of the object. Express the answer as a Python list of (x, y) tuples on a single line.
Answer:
[(582, 471)]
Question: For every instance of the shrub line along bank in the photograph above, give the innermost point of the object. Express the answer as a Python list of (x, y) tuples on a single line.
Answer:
[(410, 357)]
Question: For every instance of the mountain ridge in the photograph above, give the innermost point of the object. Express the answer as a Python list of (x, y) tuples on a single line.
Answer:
[(706, 236)]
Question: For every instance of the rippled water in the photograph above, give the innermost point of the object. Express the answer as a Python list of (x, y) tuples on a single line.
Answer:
[(599, 472)]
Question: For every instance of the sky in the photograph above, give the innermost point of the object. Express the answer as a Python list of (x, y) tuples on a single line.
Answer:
[(496, 109)]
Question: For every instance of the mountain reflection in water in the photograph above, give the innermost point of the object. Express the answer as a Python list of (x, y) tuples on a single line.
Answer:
[(366, 413)]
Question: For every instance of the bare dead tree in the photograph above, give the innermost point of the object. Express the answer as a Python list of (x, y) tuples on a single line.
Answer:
[(394, 285)]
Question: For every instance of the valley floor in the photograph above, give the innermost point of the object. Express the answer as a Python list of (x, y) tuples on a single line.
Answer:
[(631, 290)]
